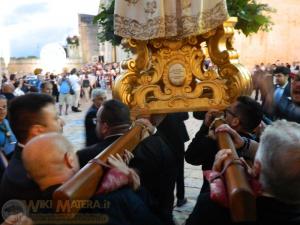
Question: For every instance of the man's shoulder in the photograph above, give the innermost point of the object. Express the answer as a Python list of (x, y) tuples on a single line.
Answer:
[(156, 147), (73, 78), (15, 174), (90, 148), (88, 153), (92, 111), (16, 184), (153, 139)]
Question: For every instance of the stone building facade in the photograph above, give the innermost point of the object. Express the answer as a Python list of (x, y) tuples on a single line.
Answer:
[(90, 48), (27, 66), (281, 43), (88, 38)]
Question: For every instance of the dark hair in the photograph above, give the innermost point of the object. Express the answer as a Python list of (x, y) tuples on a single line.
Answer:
[(25, 111), (16, 84), (115, 113), (250, 112), (12, 76), (33, 89), (52, 76), (282, 69), (73, 71)]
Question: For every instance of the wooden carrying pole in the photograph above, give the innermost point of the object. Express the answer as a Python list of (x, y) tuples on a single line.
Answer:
[(83, 185), (242, 203)]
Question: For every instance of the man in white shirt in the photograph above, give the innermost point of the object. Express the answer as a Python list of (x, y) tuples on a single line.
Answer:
[(75, 83)]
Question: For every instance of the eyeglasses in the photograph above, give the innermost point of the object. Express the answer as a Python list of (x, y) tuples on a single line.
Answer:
[(229, 112)]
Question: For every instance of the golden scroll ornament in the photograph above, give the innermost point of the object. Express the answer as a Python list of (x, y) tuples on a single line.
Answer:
[(168, 75)]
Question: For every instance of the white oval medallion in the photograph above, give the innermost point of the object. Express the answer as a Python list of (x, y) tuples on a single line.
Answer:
[(177, 74)]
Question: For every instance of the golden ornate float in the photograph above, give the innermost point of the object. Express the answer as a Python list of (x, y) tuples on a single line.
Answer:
[(168, 75)]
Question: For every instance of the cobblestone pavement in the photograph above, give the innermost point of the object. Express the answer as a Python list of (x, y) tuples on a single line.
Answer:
[(74, 131)]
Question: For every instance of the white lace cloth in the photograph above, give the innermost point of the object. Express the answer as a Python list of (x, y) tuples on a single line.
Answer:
[(149, 19)]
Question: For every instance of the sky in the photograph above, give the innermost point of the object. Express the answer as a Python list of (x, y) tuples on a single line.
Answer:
[(27, 25)]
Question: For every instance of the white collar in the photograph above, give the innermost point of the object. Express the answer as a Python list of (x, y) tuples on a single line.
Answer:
[(283, 87), (21, 145), (266, 194), (113, 135)]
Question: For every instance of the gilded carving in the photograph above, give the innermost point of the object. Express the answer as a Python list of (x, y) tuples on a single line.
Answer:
[(168, 75)]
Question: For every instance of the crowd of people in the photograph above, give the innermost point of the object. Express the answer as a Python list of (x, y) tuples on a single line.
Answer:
[(277, 88), (67, 87), (36, 158)]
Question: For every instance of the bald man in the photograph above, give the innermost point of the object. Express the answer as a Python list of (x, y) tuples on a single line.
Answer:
[(57, 162), (53, 164)]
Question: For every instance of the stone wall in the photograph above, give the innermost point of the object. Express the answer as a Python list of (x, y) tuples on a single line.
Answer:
[(282, 43), (88, 38), (25, 66)]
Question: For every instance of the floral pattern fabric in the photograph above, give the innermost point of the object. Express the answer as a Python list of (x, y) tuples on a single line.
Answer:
[(149, 19)]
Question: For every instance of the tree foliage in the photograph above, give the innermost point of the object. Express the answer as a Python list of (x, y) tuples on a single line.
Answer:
[(73, 40), (252, 17), (105, 20)]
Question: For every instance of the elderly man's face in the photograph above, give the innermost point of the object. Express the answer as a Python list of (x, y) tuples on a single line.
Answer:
[(98, 100), (295, 89)]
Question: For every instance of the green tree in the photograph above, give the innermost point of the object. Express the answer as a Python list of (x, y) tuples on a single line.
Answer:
[(105, 20), (252, 17)]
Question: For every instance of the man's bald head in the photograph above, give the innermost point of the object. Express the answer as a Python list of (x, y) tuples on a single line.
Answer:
[(49, 159), (8, 88)]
